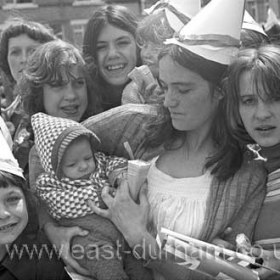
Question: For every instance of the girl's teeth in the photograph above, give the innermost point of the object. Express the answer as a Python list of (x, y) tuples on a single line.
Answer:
[(6, 227), (115, 67)]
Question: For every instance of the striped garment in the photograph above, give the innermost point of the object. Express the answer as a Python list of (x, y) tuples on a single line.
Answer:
[(267, 233)]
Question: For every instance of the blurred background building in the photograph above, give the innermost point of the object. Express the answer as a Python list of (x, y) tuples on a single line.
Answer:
[(68, 17)]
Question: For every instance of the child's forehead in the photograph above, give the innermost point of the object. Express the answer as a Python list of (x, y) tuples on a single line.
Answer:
[(82, 140), (72, 71), (10, 190)]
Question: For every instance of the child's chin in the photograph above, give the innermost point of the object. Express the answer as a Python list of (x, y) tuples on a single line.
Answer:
[(85, 176)]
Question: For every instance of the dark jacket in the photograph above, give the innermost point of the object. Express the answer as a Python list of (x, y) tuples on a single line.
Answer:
[(31, 257)]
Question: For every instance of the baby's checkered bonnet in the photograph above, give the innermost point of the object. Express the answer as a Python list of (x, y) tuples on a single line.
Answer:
[(53, 135)]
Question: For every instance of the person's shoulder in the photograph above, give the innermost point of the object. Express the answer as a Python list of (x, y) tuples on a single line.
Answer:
[(122, 112), (252, 171)]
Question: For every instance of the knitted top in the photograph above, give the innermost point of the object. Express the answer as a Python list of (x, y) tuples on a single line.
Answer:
[(65, 197)]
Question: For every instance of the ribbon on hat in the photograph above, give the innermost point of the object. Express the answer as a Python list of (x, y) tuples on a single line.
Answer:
[(8, 163), (208, 39)]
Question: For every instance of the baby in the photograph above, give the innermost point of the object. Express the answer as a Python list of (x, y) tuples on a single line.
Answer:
[(74, 173)]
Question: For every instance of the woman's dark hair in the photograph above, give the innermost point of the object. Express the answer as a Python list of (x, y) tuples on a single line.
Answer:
[(228, 157), (118, 16), (46, 66), (263, 63), (18, 26)]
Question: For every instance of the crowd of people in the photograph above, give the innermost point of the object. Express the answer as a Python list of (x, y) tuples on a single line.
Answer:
[(191, 91)]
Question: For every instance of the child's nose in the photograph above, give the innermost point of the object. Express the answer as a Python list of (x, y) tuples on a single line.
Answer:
[(4, 213), (83, 165)]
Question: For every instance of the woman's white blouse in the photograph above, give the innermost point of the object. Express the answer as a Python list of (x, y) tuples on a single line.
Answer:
[(178, 204)]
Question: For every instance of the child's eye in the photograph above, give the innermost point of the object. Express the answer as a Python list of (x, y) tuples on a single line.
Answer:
[(275, 99), (79, 82), (15, 52), (123, 43), (101, 47), (13, 199), (184, 90), (70, 165), (248, 100)]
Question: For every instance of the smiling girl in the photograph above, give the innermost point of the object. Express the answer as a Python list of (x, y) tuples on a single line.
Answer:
[(23, 248), (109, 43)]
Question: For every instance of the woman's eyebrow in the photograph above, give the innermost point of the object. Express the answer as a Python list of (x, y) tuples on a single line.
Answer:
[(13, 192), (123, 37)]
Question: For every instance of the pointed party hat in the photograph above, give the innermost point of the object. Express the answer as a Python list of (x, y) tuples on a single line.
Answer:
[(271, 19), (251, 24), (186, 7), (8, 163), (213, 33)]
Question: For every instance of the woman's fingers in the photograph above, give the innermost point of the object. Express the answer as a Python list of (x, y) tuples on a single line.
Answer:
[(143, 199), (107, 196), (76, 267), (77, 231), (105, 213)]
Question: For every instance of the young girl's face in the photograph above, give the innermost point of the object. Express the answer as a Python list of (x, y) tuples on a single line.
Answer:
[(68, 100), (260, 115), (116, 55), (13, 214), (78, 160), (149, 55)]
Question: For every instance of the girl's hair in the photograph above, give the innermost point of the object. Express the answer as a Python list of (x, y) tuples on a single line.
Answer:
[(264, 66), (155, 27), (8, 179), (118, 16), (47, 65), (228, 158), (16, 27), (252, 39)]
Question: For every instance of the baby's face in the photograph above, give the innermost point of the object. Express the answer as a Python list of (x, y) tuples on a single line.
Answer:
[(78, 160)]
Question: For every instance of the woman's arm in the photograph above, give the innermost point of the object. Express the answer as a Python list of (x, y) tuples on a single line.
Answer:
[(130, 218)]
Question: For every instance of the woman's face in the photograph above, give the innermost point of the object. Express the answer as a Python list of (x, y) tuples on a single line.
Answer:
[(260, 116), (188, 97), (68, 100), (13, 214), (116, 54), (19, 49)]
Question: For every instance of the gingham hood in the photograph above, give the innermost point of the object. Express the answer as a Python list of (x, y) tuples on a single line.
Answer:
[(52, 137)]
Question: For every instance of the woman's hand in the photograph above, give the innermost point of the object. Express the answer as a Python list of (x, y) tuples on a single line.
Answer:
[(271, 260), (129, 217), (61, 238), (221, 242)]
